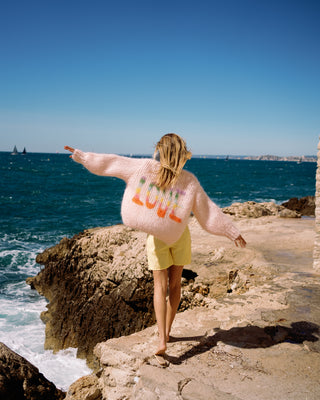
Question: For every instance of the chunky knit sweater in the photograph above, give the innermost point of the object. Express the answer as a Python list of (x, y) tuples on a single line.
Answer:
[(164, 214)]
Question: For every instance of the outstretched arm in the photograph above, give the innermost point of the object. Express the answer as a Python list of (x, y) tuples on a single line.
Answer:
[(105, 164)]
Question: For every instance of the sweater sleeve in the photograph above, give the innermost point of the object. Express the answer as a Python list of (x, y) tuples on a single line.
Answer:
[(107, 164), (211, 217)]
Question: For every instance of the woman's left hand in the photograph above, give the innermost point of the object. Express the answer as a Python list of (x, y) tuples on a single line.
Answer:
[(240, 242)]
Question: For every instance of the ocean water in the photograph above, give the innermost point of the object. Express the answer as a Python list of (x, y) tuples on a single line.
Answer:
[(45, 197)]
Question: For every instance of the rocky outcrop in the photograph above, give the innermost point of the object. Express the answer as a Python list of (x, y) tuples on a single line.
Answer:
[(252, 209), (304, 205), (20, 380), (98, 287)]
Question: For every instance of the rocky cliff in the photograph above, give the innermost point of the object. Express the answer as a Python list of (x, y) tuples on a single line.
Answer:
[(98, 287)]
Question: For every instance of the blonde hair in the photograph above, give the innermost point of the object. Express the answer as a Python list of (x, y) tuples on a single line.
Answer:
[(173, 154)]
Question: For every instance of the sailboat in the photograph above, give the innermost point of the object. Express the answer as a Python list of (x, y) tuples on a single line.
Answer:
[(24, 151), (15, 151)]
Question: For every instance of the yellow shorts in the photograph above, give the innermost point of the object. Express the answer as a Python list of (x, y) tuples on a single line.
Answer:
[(162, 256)]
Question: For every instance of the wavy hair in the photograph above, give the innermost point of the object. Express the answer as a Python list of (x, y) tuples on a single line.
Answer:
[(172, 152)]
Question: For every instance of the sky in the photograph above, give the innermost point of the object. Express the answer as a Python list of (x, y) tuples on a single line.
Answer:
[(236, 77)]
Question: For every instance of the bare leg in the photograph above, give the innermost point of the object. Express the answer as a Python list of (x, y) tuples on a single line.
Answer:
[(174, 272), (160, 306)]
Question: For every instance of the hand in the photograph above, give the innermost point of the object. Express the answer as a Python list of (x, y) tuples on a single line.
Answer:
[(69, 149), (240, 242)]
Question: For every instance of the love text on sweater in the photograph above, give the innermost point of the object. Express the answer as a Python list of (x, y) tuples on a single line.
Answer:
[(165, 200)]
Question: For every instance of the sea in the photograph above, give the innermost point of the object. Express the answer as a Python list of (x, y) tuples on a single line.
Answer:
[(45, 197)]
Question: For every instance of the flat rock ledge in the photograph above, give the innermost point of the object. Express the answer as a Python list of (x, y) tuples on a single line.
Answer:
[(20, 380), (259, 343)]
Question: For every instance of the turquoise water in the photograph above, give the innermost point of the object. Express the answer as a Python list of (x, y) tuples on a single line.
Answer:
[(45, 197)]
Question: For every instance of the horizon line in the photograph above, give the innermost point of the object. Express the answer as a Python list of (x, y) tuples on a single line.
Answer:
[(193, 156)]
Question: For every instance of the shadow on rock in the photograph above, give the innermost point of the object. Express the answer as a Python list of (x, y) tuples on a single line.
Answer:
[(250, 337)]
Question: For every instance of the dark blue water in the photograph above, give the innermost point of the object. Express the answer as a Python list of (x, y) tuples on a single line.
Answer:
[(44, 197), (49, 194), (232, 181)]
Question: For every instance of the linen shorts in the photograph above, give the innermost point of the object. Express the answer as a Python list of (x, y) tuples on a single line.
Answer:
[(162, 256)]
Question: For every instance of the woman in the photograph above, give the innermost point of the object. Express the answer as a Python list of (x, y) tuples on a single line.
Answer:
[(158, 200)]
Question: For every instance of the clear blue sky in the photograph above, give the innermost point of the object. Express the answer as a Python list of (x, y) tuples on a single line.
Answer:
[(230, 76)]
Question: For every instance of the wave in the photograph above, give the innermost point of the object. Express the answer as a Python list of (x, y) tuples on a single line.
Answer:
[(22, 330)]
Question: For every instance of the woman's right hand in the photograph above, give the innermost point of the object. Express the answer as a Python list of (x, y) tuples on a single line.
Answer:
[(69, 149)]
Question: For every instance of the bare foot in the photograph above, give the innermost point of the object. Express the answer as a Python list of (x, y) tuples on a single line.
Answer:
[(161, 349)]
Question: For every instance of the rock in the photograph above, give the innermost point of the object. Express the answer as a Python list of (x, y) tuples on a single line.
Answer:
[(193, 390), (202, 356), (251, 209), (19, 379), (98, 287), (304, 205), (286, 213), (85, 388)]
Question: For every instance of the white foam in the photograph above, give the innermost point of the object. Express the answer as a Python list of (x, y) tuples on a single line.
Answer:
[(22, 330)]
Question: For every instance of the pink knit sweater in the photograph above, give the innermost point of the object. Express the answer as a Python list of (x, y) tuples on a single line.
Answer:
[(145, 207)]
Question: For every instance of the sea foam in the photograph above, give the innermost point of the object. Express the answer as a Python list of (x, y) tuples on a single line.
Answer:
[(22, 330)]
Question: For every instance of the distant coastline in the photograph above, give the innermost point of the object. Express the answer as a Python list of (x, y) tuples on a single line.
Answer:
[(266, 157), (297, 159)]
